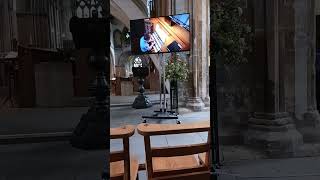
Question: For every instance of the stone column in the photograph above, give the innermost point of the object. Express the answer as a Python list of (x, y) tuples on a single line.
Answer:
[(195, 102), (309, 123), (272, 130), (205, 53), (162, 7)]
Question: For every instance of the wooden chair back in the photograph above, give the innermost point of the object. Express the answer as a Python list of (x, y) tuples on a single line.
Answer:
[(122, 155), (201, 171)]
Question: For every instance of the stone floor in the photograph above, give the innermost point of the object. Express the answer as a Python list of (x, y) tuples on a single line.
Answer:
[(120, 117), (49, 161), (307, 168), (239, 162), (58, 160), (123, 116)]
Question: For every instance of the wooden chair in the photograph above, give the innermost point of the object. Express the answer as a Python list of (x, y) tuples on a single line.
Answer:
[(122, 166), (176, 162)]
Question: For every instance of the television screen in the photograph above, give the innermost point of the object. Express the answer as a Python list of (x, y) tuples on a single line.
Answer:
[(160, 35)]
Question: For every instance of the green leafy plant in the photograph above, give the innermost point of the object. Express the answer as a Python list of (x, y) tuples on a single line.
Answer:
[(176, 68), (231, 37)]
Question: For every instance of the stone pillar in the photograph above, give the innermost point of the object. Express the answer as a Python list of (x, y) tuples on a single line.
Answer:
[(205, 53), (309, 123), (163, 7), (195, 102), (272, 130)]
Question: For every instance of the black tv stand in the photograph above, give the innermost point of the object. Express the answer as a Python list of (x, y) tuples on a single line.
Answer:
[(163, 113)]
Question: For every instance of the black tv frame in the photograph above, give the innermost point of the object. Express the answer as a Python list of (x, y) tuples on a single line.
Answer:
[(137, 54)]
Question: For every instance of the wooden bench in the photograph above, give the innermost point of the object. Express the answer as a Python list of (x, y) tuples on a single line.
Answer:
[(176, 162), (122, 166)]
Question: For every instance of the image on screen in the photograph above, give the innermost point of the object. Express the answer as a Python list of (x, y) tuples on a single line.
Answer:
[(161, 34)]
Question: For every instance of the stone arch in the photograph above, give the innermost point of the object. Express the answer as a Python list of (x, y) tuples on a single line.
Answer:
[(116, 11), (123, 58), (116, 41)]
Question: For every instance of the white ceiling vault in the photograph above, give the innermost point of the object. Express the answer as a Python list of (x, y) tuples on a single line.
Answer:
[(126, 10)]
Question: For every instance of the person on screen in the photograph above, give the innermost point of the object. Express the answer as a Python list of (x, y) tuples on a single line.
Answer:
[(146, 42)]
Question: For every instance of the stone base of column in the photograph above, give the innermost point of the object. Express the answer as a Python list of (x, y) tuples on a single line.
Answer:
[(273, 133), (206, 101), (310, 127), (312, 119), (195, 103)]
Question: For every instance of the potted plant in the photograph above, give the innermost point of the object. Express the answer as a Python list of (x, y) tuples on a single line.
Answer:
[(176, 68)]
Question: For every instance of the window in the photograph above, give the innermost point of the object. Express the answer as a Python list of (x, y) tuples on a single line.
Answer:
[(86, 7), (137, 62)]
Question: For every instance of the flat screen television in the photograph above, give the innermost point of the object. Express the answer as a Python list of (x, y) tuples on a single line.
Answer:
[(163, 34)]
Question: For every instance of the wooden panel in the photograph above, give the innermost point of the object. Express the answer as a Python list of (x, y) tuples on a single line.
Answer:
[(117, 170), (122, 132), (178, 161), (116, 156), (126, 86), (180, 150), (190, 176), (154, 78), (149, 162), (26, 81), (121, 164), (163, 129), (170, 172), (83, 74), (174, 163), (28, 57), (127, 164), (117, 178), (113, 87)]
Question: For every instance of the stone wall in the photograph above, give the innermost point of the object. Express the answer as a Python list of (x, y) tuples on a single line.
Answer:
[(239, 86), (275, 89)]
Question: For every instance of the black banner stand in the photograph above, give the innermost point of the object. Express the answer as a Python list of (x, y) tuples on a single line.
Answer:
[(174, 103), (163, 113)]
